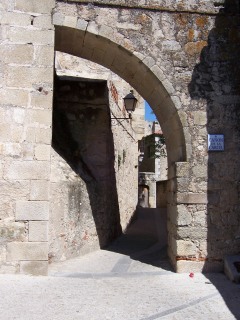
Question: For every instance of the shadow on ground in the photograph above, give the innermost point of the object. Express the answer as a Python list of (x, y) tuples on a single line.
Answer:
[(145, 239)]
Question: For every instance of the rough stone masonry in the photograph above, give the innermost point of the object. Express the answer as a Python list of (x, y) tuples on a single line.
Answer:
[(182, 57)]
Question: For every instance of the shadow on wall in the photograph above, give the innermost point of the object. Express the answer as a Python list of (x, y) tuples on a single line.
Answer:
[(217, 80), (83, 138)]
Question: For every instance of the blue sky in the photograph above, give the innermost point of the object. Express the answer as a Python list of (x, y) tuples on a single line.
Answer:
[(148, 113)]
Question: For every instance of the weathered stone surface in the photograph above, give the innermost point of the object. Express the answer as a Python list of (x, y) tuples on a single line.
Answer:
[(44, 56), (27, 170), (35, 268), (28, 76), (42, 152), (27, 251), (14, 97), (40, 117), (200, 118), (16, 19), (39, 190), (184, 248), (183, 266), (22, 54), (32, 210), (181, 216), (12, 231), (182, 169), (190, 198), (43, 135), (172, 5), (35, 6), (38, 231), (36, 37)]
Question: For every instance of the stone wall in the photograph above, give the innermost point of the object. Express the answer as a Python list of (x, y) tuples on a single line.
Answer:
[(26, 86), (125, 155), (85, 214), (182, 57)]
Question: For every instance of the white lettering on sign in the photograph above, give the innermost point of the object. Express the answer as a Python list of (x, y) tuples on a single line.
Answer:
[(216, 142)]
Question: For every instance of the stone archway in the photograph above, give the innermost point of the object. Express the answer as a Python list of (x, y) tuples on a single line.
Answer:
[(147, 81), (105, 52)]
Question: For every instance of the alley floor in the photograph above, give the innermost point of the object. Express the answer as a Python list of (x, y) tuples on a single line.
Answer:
[(132, 280)]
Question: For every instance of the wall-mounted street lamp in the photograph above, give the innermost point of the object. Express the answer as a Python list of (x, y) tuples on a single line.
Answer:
[(130, 102)]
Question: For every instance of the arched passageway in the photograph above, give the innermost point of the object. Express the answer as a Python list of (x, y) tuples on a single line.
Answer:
[(129, 67)]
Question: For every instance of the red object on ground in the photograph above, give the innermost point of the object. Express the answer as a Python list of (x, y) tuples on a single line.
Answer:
[(191, 275)]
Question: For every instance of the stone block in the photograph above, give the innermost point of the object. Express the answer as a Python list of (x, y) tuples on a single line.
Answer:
[(39, 190), (182, 184), (42, 152), (184, 217), (93, 27), (182, 169), (200, 171), (43, 22), (5, 132), (192, 198), (35, 268), (183, 248), (158, 72), (27, 151), (12, 231), (105, 31), (27, 251), (18, 115), (27, 170), (27, 76), (7, 5), (38, 231), (43, 135), (183, 266), (197, 233), (19, 54), (177, 102), (44, 55), (14, 97), (16, 19), (41, 117), (10, 190), (171, 45), (58, 19), (33, 36), (200, 118), (12, 149), (35, 6), (70, 22), (32, 210), (42, 100), (29, 134), (200, 218)]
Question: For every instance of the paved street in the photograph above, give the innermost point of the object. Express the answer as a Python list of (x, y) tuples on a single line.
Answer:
[(107, 285), (131, 280)]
